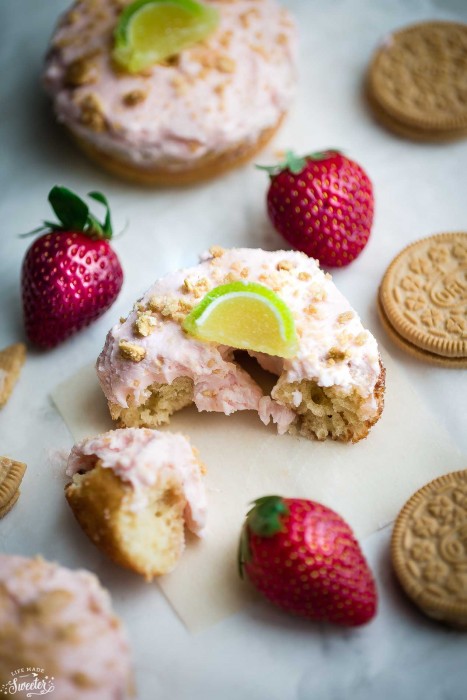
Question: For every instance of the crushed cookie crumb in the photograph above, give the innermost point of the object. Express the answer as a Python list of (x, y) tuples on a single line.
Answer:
[(304, 276), (259, 48), (91, 112), (193, 145), (319, 295), (244, 273), (346, 316), (328, 275), (72, 17), (310, 310), (197, 287), (209, 393), (170, 307), (82, 71), (285, 265), (131, 351), (336, 355), (225, 64), (361, 338), (246, 17), (122, 319), (180, 85), (133, 98), (226, 39), (187, 285), (344, 338), (220, 89), (81, 680), (145, 324), (216, 251)]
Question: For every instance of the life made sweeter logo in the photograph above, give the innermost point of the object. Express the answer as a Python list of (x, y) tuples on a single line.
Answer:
[(26, 682)]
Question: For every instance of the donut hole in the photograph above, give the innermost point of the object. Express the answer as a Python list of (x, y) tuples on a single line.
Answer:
[(251, 364)]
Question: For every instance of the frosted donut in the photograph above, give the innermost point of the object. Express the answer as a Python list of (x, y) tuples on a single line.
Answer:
[(208, 109), (60, 624), (133, 491), (332, 388)]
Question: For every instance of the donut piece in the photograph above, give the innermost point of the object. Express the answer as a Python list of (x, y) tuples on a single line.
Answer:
[(333, 387), (208, 109), (133, 491), (59, 625)]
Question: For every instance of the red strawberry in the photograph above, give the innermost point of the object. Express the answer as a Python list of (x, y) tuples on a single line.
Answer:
[(304, 558), (323, 205), (70, 275)]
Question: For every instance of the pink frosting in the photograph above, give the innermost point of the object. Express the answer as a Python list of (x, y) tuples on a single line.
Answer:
[(98, 648), (222, 92), (142, 458), (323, 317)]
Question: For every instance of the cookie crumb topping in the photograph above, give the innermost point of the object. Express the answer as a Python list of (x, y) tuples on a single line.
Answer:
[(346, 316), (336, 354), (285, 265), (225, 64), (133, 98), (131, 351), (304, 276), (82, 71), (216, 251), (145, 324), (91, 112)]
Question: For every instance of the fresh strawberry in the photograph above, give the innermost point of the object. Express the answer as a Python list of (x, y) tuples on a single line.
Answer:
[(70, 275), (304, 558), (323, 205)]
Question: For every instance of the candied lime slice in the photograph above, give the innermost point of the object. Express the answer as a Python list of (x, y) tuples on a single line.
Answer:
[(244, 315), (150, 31)]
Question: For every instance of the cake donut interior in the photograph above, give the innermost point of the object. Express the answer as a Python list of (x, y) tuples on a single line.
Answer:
[(205, 109), (133, 491), (333, 386)]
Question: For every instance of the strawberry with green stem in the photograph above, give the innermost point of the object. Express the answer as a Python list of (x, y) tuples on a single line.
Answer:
[(322, 204), (70, 275), (304, 558)]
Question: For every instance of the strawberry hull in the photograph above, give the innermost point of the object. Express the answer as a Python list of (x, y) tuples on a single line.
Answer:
[(312, 567)]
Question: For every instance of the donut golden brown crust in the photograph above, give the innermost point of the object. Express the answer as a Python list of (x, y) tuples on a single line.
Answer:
[(206, 168)]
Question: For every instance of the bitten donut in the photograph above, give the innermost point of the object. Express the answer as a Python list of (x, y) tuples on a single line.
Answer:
[(208, 108), (133, 492), (332, 387), (57, 628)]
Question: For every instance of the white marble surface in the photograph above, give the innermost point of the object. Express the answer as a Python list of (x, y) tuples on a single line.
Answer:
[(420, 189)]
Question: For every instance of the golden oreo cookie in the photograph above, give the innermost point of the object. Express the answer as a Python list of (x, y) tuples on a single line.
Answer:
[(416, 81), (11, 475), (423, 298), (429, 548)]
